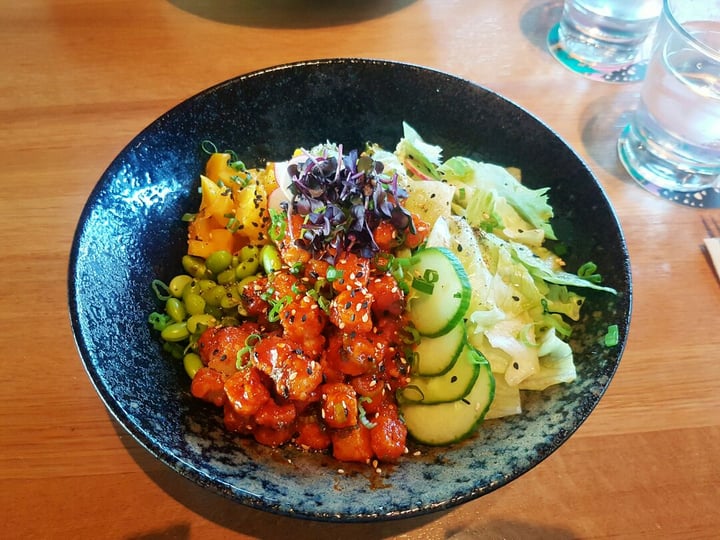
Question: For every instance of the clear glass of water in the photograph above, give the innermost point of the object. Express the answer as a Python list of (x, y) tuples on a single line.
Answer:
[(673, 139), (605, 39)]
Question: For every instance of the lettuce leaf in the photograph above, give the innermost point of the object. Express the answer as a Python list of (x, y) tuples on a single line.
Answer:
[(500, 195), (419, 158), (556, 364), (522, 298), (544, 270)]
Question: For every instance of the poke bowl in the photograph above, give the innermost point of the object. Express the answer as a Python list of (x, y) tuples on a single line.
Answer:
[(130, 233)]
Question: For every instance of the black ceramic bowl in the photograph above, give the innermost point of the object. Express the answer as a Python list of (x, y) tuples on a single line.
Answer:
[(130, 233)]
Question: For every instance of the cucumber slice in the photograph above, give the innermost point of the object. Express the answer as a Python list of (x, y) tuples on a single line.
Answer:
[(436, 355), (450, 386), (440, 291), (446, 423)]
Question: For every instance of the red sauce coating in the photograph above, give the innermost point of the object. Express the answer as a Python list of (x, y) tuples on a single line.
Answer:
[(319, 358)]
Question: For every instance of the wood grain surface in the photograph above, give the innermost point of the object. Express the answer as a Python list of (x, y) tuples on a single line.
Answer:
[(79, 78)]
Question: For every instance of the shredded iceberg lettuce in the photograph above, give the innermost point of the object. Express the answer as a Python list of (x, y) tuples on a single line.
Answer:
[(419, 158), (515, 210), (522, 299)]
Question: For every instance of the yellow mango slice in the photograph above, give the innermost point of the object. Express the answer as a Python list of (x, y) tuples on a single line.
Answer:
[(217, 168), (252, 214), (216, 240)]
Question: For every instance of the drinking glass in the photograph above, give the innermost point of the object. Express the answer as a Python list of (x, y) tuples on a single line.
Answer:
[(673, 139), (604, 39)]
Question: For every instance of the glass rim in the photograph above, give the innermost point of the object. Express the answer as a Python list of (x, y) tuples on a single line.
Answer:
[(678, 26)]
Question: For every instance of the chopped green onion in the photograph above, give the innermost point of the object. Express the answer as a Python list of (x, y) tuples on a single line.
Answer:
[(612, 338), (323, 303), (233, 224), (159, 320), (422, 286), (588, 271), (233, 156), (295, 269), (208, 147), (363, 415), (162, 291), (278, 224), (277, 307), (266, 295), (333, 274), (250, 343), (431, 276), (188, 217), (413, 336), (412, 358), (241, 181)]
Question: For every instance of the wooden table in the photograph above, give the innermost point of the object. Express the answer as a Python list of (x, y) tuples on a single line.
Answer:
[(80, 78)]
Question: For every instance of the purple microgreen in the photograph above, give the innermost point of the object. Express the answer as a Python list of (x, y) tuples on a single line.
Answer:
[(343, 197)]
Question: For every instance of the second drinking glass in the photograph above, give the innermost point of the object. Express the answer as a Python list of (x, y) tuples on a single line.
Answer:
[(604, 39)]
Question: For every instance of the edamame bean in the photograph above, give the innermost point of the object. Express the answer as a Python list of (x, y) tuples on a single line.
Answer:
[(194, 304), (226, 276), (270, 258), (178, 283), (193, 287), (195, 266), (214, 296), (249, 262), (192, 364), (206, 285), (176, 309), (218, 261), (214, 311), (229, 321), (245, 282), (249, 252), (175, 332), (198, 323), (231, 298)]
